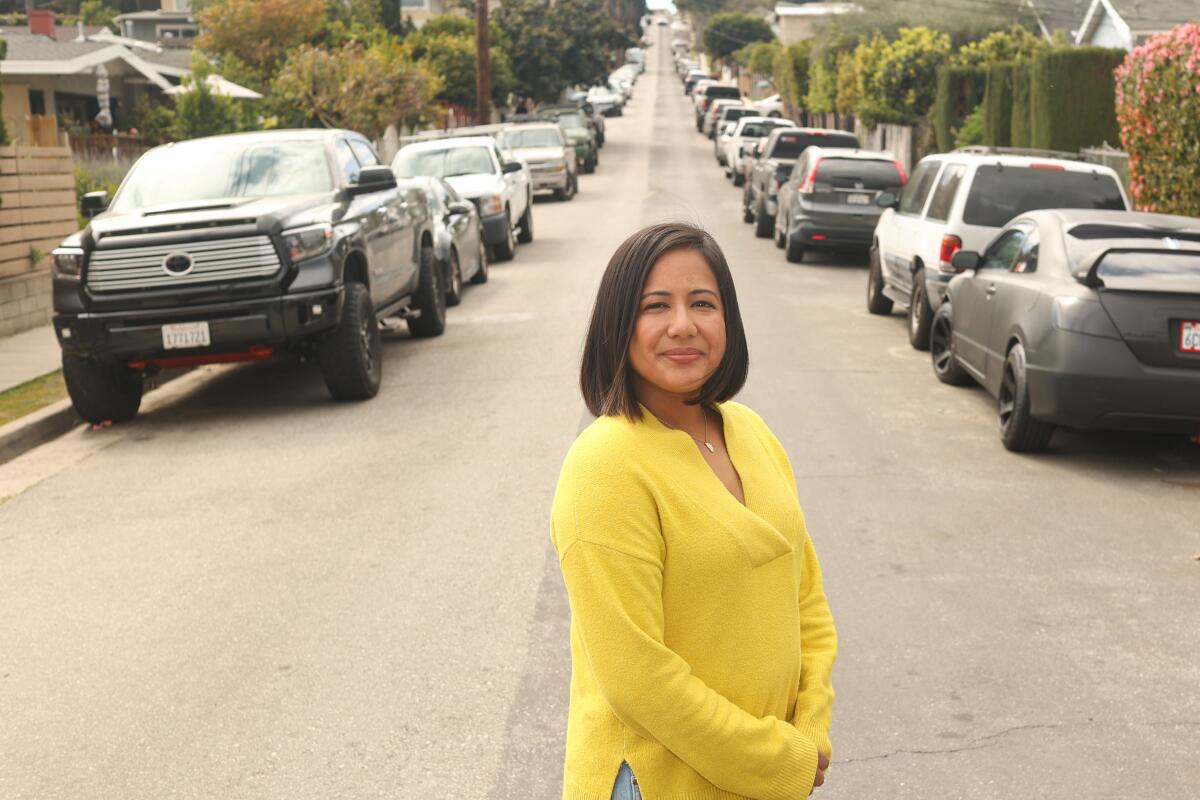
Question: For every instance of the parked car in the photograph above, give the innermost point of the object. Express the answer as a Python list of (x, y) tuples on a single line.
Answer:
[(773, 166), (739, 150), (828, 202), (960, 200), (606, 101), (544, 148), (258, 243), (501, 188), (580, 135), (769, 106), (458, 242), (725, 126), (705, 96), (709, 126), (697, 83), (1081, 319)]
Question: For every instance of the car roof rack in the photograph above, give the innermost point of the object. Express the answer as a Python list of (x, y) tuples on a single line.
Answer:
[(1032, 152), (454, 133)]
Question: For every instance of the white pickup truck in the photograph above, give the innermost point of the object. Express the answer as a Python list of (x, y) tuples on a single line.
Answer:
[(500, 187)]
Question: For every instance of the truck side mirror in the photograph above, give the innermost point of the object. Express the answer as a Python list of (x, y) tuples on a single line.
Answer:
[(93, 203)]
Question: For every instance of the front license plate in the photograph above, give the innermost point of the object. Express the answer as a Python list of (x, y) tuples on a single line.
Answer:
[(1189, 336), (858, 199), (183, 335)]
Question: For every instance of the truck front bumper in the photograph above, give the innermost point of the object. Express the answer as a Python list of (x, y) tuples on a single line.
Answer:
[(495, 228), (234, 327)]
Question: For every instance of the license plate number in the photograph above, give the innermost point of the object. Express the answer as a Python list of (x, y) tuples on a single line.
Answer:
[(858, 199), (184, 335), (1189, 337)]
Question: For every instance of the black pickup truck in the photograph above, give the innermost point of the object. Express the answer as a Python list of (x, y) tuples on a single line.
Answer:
[(236, 248)]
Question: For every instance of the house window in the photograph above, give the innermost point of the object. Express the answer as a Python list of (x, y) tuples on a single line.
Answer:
[(37, 102), (176, 32)]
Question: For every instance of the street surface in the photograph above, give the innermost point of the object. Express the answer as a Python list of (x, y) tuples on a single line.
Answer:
[(253, 592)]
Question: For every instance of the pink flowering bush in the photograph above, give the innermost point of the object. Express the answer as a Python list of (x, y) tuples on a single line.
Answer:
[(1158, 109)]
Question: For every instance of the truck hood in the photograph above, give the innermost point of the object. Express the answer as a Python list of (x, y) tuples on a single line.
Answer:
[(539, 153), (268, 214), (473, 186)]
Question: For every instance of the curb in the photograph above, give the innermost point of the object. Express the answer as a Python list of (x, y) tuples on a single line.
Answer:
[(22, 435)]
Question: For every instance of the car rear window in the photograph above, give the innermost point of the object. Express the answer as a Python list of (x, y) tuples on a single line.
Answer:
[(859, 173), (758, 129), (1000, 193), (791, 145), (721, 92), (730, 114), (1161, 270)]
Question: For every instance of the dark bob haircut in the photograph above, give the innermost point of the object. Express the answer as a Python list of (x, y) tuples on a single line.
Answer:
[(606, 377)]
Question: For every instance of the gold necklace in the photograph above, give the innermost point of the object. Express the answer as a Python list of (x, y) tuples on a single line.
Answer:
[(703, 441)]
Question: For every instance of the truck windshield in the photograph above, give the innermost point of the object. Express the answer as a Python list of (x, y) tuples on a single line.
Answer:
[(533, 137), (215, 169), (444, 163)]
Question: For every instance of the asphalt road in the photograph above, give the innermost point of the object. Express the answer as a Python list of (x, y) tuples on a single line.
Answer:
[(252, 592)]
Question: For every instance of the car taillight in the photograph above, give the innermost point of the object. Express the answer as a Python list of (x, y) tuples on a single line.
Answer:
[(704, 103), (950, 245), (776, 183), (810, 182), (900, 169)]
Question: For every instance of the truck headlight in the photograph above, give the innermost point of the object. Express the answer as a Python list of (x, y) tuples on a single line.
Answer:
[(490, 204), (308, 242), (68, 261)]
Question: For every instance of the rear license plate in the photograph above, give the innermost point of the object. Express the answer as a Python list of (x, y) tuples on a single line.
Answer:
[(183, 335), (858, 199), (1189, 337)]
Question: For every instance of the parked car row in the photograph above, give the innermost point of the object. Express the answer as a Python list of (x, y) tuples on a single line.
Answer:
[(1024, 271)]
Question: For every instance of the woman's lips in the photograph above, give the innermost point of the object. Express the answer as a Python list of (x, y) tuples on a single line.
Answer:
[(683, 355)]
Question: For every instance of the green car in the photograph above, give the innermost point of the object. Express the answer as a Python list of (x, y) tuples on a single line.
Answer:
[(579, 134)]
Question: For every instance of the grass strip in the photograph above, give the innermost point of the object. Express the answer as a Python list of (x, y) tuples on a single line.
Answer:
[(29, 397)]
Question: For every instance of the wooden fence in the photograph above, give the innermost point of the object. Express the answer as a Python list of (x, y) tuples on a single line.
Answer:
[(103, 146), (37, 206)]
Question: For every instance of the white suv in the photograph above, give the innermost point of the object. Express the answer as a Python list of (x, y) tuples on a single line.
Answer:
[(748, 131), (959, 201)]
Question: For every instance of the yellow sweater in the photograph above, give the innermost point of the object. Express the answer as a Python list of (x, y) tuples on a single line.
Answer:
[(701, 641)]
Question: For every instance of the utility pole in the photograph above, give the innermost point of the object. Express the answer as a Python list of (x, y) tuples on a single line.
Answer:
[(483, 69)]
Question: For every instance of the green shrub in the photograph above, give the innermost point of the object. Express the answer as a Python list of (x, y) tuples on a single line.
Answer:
[(897, 80), (791, 73), (1073, 99), (971, 131), (998, 105), (1158, 108), (959, 93), (3, 130), (822, 84), (1019, 132), (758, 58)]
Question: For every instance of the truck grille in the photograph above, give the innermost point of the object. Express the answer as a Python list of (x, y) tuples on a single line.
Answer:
[(132, 268)]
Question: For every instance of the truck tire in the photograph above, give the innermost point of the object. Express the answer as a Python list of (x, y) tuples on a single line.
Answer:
[(526, 223), (102, 392), (505, 250), (430, 299), (351, 355), (920, 314), (877, 301)]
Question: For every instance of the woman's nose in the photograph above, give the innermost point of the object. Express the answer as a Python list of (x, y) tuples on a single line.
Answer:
[(681, 323)]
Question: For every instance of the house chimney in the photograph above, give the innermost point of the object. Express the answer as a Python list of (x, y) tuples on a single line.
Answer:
[(41, 21)]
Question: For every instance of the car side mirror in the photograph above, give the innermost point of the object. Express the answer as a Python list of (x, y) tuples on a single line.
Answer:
[(510, 167), (460, 207), (93, 203), (374, 179), (965, 259), (887, 200)]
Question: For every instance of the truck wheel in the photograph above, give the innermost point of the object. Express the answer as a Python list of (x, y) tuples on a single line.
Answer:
[(351, 355), (505, 250), (877, 301), (920, 314), (430, 299), (454, 292), (738, 179), (526, 223), (481, 275), (1019, 431), (102, 392)]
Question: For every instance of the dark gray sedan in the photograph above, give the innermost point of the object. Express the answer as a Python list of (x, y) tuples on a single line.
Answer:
[(458, 241), (1078, 318)]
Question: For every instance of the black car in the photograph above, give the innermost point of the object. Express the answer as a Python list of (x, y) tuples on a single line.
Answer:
[(1078, 318), (235, 248), (773, 166), (458, 240)]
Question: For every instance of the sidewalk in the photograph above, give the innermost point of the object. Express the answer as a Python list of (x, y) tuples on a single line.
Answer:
[(28, 355)]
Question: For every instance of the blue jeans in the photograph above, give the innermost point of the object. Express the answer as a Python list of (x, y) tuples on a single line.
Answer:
[(626, 787)]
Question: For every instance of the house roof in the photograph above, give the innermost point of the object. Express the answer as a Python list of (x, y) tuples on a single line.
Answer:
[(1060, 15), (1152, 16), (30, 54), (63, 33), (813, 9), (157, 15), (26, 46)]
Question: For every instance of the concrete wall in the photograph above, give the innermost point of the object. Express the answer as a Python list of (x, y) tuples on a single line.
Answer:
[(37, 211), (796, 29)]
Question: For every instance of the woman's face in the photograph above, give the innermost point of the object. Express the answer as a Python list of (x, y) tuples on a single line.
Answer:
[(679, 339)]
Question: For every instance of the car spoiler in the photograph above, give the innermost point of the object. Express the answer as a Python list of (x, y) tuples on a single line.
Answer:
[(1089, 277)]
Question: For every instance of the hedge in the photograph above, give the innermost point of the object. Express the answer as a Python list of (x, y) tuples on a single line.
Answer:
[(998, 104), (1019, 123), (1073, 98), (791, 75), (959, 91), (3, 130)]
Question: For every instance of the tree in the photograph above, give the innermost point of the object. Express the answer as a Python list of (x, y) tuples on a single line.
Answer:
[(357, 87), (97, 12), (260, 34), (758, 58), (199, 112), (3, 129), (997, 47), (446, 47), (896, 81), (729, 32)]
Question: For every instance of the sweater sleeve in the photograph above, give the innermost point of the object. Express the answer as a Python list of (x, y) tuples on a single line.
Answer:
[(611, 553)]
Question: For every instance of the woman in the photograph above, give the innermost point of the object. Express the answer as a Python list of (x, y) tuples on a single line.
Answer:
[(701, 641)]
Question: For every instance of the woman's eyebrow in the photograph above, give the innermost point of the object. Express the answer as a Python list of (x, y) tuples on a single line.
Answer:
[(665, 293)]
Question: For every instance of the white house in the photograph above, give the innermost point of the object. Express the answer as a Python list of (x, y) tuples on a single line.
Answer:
[(1128, 23), (801, 21)]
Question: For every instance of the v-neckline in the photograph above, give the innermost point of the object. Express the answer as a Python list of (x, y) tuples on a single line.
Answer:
[(695, 447)]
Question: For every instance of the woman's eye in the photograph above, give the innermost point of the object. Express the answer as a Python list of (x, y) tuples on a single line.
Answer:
[(654, 306), (703, 304)]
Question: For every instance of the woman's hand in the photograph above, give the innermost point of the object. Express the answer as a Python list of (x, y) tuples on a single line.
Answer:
[(822, 765)]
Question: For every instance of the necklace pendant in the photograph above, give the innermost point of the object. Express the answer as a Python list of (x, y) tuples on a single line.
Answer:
[(711, 449)]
